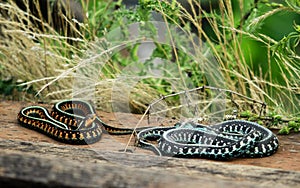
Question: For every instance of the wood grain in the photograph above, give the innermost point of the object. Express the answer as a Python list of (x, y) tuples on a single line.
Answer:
[(28, 159)]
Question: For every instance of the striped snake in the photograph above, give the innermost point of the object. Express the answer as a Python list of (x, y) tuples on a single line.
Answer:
[(76, 122), (226, 140), (70, 121)]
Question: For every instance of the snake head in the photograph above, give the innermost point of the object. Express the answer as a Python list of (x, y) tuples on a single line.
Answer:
[(87, 121)]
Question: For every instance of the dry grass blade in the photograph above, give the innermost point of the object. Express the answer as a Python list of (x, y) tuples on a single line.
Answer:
[(56, 69)]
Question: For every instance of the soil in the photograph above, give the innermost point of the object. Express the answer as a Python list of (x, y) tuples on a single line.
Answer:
[(287, 157)]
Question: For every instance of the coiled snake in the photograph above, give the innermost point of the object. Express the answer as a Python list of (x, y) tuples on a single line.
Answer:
[(70, 121), (76, 122), (226, 140)]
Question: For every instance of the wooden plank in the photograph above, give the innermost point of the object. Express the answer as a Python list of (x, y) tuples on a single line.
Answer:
[(28, 158), (27, 164), (287, 157)]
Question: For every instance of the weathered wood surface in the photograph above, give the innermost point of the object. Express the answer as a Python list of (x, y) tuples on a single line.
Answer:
[(30, 164), (28, 158)]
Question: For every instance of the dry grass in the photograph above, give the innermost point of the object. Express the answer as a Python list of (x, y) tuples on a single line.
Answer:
[(58, 70), (27, 60), (239, 76), (46, 62)]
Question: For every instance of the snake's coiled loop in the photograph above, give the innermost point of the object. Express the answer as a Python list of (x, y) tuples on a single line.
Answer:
[(70, 121), (64, 129), (226, 140)]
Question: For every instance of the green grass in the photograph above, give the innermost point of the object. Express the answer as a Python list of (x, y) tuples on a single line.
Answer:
[(243, 52)]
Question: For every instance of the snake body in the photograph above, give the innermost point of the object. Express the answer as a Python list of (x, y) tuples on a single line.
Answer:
[(76, 122), (63, 130), (226, 140), (267, 145), (70, 121)]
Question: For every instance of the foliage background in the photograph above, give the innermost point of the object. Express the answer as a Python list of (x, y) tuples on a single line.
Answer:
[(255, 42)]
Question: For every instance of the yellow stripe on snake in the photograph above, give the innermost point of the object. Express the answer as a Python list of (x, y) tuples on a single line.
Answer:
[(70, 121)]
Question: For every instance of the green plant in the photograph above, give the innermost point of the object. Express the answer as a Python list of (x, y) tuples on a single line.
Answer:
[(234, 48)]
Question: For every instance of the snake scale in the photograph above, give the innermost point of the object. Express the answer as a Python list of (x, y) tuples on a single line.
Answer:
[(76, 122), (226, 140), (70, 121)]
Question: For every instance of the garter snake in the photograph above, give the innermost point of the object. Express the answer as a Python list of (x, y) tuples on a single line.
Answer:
[(226, 140), (70, 121)]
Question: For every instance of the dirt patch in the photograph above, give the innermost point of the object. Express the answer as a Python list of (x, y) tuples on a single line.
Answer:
[(286, 158)]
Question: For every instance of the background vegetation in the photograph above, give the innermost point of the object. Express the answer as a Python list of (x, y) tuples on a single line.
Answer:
[(253, 44)]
